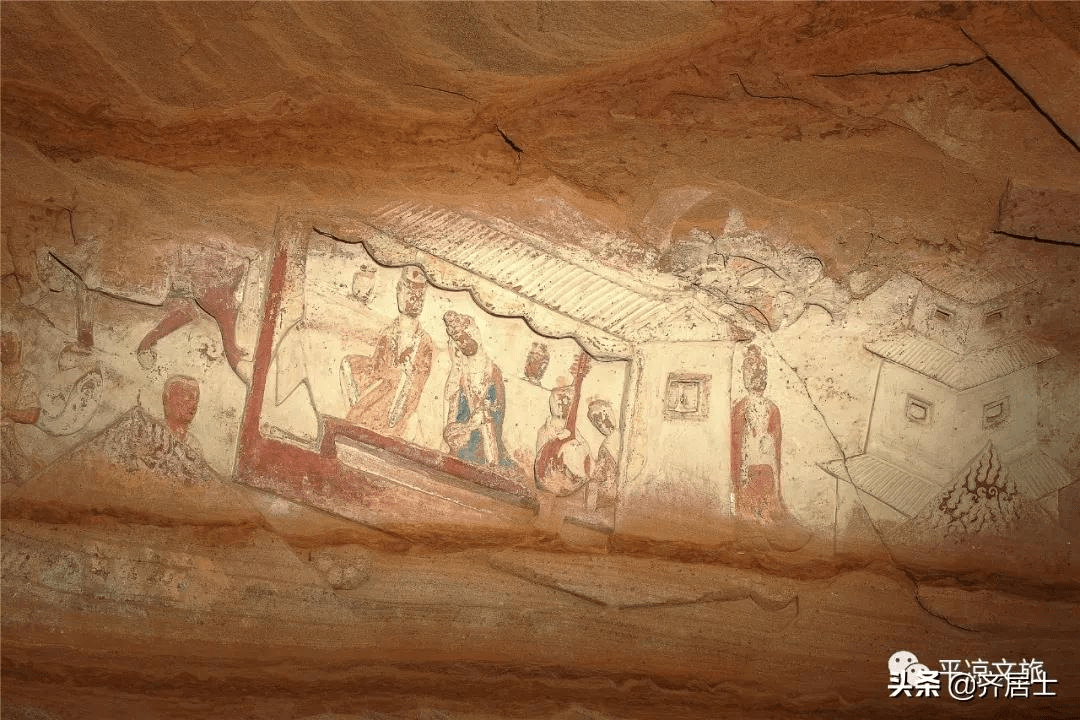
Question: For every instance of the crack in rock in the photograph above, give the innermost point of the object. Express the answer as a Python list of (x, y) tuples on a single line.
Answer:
[(915, 71), (506, 138), (1060, 130), (608, 585), (909, 574), (443, 90)]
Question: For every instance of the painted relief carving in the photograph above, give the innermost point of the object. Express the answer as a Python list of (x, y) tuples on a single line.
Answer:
[(29, 229), (425, 365), (186, 278), (773, 285), (180, 400), (139, 441), (951, 455), (63, 407), (605, 468), (70, 401), (20, 406), (480, 425), (204, 278), (687, 396), (383, 389), (536, 363), (112, 307), (363, 283), (475, 396), (563, 460), (140, 464), (755, 446), (983, 499)]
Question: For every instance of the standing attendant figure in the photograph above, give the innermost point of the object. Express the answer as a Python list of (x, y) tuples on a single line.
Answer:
[(755, 446)]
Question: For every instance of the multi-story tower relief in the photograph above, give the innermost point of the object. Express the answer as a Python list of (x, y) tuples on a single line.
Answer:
[(958, 380)]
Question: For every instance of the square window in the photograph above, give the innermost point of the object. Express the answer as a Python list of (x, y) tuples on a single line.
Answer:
[(996, 412), (687, 396), (917, 410)]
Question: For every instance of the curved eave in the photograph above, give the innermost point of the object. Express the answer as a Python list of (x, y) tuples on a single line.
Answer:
[(387, 250)]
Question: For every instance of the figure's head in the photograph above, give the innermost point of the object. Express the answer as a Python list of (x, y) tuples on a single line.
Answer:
[(536, 362), (602, 416), (10, 349), (755, 370), (410, 291), (560, 400), (180, 398), (463, 332)]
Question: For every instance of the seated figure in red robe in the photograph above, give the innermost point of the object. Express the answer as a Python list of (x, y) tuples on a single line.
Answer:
[(383, 390)]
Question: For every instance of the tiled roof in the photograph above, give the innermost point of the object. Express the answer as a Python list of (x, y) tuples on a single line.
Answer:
[(1038, 475), (609, 300), (903, 491), (1035, 474), (959, 371), (973, 285)]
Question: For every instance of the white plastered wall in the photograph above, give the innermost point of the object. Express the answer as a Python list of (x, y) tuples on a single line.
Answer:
[(677, 466), (955, 431)]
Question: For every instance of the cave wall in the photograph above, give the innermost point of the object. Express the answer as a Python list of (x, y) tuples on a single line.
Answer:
[(493, 360)]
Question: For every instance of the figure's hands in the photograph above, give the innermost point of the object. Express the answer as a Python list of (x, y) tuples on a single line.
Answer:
[(483, 414)]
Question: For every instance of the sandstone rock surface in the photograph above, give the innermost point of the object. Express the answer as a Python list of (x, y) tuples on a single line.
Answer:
[(483, 360)]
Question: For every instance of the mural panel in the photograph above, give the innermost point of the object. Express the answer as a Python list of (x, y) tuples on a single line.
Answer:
[(104, 319), (421, 375), (427, 367)]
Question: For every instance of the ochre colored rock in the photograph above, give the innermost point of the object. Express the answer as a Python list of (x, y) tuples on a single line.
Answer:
[(561, 360)]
